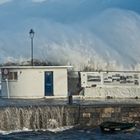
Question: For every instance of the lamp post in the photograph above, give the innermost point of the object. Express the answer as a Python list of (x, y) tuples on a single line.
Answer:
[(32, 36)]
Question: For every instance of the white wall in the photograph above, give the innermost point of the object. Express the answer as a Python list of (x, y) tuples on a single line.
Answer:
[(31, 83), (113, 83), (112, 88), (115, 92), (60, 82)]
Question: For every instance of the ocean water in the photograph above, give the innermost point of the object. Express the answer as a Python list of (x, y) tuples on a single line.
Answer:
[(71, 134)]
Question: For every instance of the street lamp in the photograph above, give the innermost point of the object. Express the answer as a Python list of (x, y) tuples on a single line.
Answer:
[(32, 36)]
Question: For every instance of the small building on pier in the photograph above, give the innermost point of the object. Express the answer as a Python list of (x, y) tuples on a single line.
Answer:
[(34, 81), (111, 84)]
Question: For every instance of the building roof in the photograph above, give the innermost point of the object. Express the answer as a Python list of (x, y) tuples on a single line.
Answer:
[(36, 67), (108, 71)]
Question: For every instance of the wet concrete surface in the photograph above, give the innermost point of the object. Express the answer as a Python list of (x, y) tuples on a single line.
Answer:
[(64, 101)]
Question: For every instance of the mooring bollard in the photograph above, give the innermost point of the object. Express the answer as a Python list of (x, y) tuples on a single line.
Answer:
[(70, 100)]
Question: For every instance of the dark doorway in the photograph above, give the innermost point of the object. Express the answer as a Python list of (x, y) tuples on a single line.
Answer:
[(48, 83)]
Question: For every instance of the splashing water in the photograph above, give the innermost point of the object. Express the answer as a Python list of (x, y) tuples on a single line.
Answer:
[(34, 118), (99, 34)]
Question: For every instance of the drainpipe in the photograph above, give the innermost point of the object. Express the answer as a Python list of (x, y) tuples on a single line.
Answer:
[(7, 85)]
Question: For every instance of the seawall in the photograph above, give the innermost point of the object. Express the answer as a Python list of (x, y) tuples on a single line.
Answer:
[(94, 115), (17, 115)]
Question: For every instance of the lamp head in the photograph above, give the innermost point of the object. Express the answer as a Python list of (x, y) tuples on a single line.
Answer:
[(31, 33)]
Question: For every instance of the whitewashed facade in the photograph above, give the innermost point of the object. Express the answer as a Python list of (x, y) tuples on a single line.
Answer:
[(119, 84), (34, 81)]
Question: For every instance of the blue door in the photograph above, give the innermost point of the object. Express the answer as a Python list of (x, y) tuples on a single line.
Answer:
[(48, 83)]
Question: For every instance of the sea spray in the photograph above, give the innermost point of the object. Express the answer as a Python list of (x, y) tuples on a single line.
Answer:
[(100, 34), (35, 118)]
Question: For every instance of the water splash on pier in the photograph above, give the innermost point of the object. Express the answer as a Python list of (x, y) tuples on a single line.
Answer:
[(34, 118)]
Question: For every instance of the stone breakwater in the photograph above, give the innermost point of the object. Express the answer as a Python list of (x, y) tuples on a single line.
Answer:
[(93, 116), (53, 116)]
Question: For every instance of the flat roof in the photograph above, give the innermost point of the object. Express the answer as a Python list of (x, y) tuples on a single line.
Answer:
[(125, 71), (35, 67)]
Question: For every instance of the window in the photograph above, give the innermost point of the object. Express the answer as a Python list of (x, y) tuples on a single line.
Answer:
[(12, 76), (93, 78)]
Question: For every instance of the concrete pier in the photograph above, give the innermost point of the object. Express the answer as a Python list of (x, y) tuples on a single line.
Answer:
[(52, 113)]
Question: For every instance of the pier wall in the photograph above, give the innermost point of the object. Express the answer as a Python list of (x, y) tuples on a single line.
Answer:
[(93, 116), (49, 117)]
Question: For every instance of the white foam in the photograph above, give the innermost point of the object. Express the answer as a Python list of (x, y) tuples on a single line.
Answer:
[(55, 130), (60, 129), (15, 131)]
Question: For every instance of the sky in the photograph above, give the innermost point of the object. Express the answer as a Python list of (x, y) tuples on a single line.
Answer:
[(101, 34)]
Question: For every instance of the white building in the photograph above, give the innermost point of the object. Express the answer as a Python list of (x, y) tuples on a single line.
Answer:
[(34, 81), (115, 84)]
